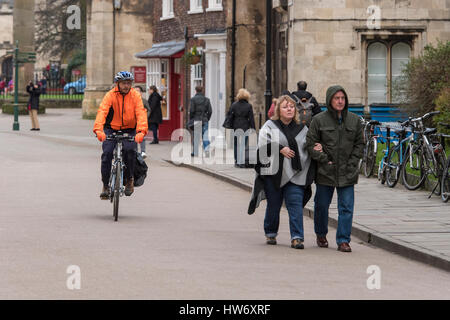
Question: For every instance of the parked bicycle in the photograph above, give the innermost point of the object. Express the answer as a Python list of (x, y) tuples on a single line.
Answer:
[(445, 179), (383, 165), (370, 150), (116, 185), (423, 157), (396, 156)]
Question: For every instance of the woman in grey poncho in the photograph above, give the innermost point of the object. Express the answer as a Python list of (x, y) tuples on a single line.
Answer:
[(283, 171)]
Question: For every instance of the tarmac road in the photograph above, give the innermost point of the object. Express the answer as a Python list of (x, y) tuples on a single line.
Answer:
[(182, 235)]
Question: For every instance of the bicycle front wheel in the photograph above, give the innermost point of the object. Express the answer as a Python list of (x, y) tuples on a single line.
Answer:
[(412, 170), (393, 168), (445, 182), (116, 194)]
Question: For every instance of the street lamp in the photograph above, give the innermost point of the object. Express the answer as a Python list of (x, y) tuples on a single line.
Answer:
[(117, 4), (268, 92)]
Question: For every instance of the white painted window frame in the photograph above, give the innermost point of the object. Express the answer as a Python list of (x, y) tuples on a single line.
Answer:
[(154, 75), (195, 7), (167, 10), (196, 77), (215, 5)]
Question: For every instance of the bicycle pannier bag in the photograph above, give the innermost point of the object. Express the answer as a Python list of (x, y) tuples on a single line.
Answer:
[(140, 170)]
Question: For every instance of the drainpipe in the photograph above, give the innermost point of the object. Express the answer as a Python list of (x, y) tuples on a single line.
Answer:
[(186, 70), (114, 43), (233, 52), (268, 92)]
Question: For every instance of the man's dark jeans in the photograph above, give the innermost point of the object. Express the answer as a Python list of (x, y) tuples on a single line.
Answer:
[(346, 201), (128, 152)]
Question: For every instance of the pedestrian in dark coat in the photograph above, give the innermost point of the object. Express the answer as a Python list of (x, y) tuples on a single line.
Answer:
[(147, 107), (241, 116), (155, 118), (34, 91), (335, 141), (301, 93), (200, 111)]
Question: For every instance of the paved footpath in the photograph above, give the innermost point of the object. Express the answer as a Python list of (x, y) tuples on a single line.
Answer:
[(401, 221)]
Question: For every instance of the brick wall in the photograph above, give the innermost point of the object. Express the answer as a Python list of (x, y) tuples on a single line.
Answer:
[(173, 29)]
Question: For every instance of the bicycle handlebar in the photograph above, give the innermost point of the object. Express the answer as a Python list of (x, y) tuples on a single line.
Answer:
[(447, 125), (121, 136), (425, 116)]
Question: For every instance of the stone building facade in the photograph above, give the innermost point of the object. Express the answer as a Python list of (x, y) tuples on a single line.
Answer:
[(114, 34), (360, 44), (250, 63), (179, 26), (6, 38)]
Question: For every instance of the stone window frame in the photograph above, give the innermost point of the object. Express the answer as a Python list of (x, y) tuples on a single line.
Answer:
[(414, 36), (167, 10)]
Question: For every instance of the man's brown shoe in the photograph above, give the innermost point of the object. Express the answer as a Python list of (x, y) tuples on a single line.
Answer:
[(105, 193), (344, 247), (129, 187), (297, 244), (271, 240), (322, 242)]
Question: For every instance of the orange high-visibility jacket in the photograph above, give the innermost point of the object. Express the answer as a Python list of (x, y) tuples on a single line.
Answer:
[(128, 111)]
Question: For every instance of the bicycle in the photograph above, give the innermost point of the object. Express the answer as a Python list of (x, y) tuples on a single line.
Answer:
[(396, 156), (445, 178), (390, 154), (423, 157), (370, 149), (383, 161), (116, 187)]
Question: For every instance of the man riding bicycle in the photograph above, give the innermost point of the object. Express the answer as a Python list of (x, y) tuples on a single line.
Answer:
[(120, 110)]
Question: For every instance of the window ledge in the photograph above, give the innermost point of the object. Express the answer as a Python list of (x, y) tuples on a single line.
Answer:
[(171, 16), (214, 9), (195, 11)]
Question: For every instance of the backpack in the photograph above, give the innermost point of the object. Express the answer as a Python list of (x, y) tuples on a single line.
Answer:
[(304, 106), (140, 170)]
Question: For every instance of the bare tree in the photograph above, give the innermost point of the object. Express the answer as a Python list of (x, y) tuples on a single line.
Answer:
[(54, 35)]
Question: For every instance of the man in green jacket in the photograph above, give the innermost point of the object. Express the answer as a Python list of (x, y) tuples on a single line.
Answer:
[(335, 141)]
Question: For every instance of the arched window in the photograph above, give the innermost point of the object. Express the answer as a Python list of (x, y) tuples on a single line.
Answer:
[(400, 57), (385, 63), (377, 75)]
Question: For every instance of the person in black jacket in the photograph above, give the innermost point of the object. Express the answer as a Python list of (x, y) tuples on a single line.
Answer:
[(34, 91), (302, 93), (241, 113), (200, 112), (155, 117)]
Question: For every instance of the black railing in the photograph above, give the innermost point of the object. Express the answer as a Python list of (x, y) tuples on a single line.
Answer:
[(54, 89)]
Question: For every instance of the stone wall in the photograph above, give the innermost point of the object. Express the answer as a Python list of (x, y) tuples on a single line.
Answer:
[(328, 38), (250, 52), (109, 52)]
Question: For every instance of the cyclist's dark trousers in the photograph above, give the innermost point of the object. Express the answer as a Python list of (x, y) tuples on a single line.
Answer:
[(129, 156)]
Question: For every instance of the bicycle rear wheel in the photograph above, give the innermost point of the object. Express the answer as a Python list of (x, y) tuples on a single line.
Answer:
[(369, 162), (116, 193), (432, 172), (393, 167), (412, 170), (445, 182)]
